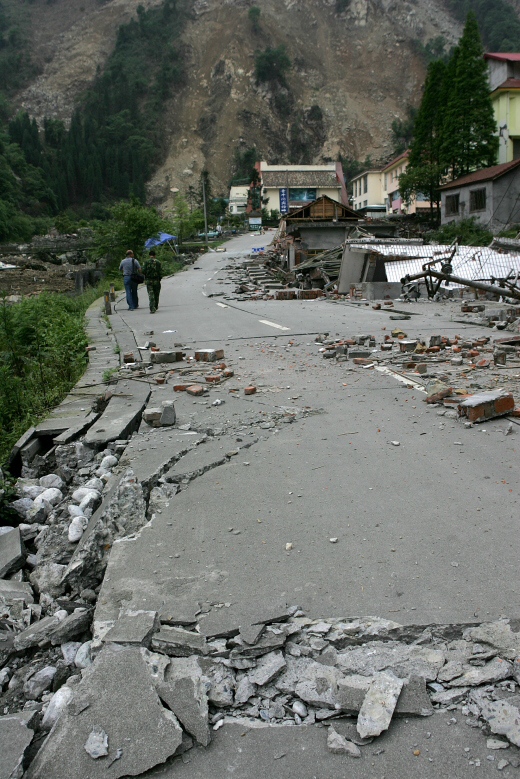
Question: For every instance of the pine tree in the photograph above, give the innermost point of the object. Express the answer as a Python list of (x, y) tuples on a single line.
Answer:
[(469, 128), (425, 161)]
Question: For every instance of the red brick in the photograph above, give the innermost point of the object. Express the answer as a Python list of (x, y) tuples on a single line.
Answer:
[(154, 349), (249, 390), (440, 395), (228, 373), (180, 387), (195, 389), (213, 378), (361, 361)]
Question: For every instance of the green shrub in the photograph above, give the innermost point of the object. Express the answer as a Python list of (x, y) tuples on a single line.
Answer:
[(468, 231)]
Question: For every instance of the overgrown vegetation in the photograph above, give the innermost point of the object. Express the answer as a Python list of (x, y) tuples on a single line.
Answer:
[(272, 65), (454, 130), (497, 19), (402, 131), (42, 355), (254, 17), (469, 232)]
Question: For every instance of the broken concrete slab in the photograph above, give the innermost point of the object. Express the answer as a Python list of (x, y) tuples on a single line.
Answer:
[(116, 695), (319, 686), (177, 642), (503, 718), (12, 554), (134, 627), (12, 590), (38, 632), (267, 668), (494, 671), (498, 635), (414, 699), (351, 693), (15, 737), (379, 704), (187, 698), (122, 415), (339, 745), (71, 627)]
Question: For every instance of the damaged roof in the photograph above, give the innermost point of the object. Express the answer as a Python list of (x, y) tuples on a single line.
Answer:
[(323, 209), (485, 174)]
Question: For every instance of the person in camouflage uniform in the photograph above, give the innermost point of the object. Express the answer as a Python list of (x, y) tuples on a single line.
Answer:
[(152, 271)]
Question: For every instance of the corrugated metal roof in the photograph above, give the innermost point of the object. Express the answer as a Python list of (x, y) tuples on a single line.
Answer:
[(469, 262)]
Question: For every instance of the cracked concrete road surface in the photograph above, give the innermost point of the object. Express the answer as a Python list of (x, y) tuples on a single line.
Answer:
[(262, 529), (426, 530)]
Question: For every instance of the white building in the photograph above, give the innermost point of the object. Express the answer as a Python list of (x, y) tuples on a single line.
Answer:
[(287, 187), (238, 199)]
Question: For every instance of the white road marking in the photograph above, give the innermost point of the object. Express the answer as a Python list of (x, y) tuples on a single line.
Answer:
[(403, 379), (273, 324), (222, 305)]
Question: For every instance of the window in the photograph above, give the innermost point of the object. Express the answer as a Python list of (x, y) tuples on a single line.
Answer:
[(386, 178), (452, 205), (365, 203), (365, 184), (477, 199), (355, 188)]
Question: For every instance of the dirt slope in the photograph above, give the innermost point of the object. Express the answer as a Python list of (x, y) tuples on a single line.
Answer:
[(359, 67)]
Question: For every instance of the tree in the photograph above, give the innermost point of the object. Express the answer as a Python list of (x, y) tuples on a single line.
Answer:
[(402, 131), (131, 224), (254, 17), (425, 161), (469, 140), (271, 65)]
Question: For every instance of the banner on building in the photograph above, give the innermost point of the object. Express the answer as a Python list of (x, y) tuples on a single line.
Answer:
[(284, 204)]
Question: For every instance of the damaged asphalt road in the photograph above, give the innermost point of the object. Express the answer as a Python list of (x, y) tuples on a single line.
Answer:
[(232, 552)]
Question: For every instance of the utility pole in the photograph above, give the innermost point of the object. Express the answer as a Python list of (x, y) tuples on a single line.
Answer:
[(205, 214)]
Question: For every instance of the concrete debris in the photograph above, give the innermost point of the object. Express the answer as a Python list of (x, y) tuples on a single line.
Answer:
[(379, 704), (186, 697), (15, 738), (339, 745), (12, 553), (503, 718), (96, 744)]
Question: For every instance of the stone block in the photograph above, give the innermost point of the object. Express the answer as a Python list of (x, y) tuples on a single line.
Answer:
[(71, 627), (267, 668), (351, 693), (12, 553), (209, 355), (359, 353), (152, 416), (157, 358), (168, 415), (36, 633)]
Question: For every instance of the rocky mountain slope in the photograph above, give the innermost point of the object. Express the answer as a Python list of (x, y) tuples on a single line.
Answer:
[(359, 66)]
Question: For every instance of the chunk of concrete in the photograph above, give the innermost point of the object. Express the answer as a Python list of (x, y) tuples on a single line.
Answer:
[(122, 415), (157, 358), (71, 627), (187, 698), (15, 737), (177, 642), (379, 704), (56, 707), (134, 627), (498, 635), (36, 633), (267, 668), (503, 718), (339, 745), (494, 671), (11, 590), (152, 416), (319, 688), (351, 693), (12, 554), (414, 700), (168, 416), (116, 695)]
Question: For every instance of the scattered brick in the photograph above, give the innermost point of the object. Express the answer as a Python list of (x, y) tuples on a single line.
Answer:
[(195, 389), (249, 390), (361, 361), (228, 373), (213, 378), (181, 387), (486, 405)]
